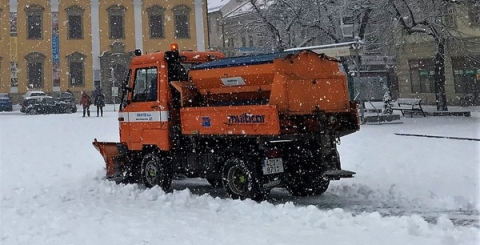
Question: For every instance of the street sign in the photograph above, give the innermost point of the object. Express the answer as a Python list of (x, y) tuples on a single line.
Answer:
[(115, 91)]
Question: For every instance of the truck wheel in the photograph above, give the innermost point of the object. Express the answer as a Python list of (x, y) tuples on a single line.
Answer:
[(306, 185), (215, 182), (156, 172), (240, 181)]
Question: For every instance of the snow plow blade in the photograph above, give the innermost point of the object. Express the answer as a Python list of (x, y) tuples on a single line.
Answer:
[(113, 156)]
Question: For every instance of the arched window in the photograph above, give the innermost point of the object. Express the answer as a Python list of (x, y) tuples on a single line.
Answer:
[(116, 21), (156, 21), (35, 69), (181, 15), (75, 22), (34, 21), (76, 69)]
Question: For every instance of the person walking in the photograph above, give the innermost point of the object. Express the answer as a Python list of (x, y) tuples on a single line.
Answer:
[(99, 102), (85, 101)]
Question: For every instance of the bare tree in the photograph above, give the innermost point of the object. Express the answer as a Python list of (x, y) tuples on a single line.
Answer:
[(430, 17)]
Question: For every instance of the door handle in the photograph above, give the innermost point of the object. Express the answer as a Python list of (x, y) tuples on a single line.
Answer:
[(154, 107)]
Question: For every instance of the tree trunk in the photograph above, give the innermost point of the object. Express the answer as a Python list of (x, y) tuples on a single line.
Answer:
[(440, 96)]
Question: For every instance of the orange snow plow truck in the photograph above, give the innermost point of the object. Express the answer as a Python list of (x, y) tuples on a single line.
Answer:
[(248, 123)]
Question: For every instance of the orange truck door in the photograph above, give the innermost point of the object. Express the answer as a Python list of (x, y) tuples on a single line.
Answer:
[(146, 117)]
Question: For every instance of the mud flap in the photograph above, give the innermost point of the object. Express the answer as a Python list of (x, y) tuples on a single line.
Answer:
[(114, 156)]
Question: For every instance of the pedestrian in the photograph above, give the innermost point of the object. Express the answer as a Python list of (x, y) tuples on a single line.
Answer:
[(99, 102), (85, 101)]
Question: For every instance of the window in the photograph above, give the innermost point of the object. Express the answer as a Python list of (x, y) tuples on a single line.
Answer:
[(34, 21), (34, 27), (75, 22), (35, 69), (181, 21), (244, 41), (231, 43), (155, 19), (450, 16), (346, 24), (421, 75), (76, 74), (466, 71), (474, 14), (116, 27), (116, 16), (76, 69), (75, 27), (250, 41), (145, 86), (35, 75)]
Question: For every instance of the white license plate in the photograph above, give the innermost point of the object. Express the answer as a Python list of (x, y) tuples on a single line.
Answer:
[(273, 166)]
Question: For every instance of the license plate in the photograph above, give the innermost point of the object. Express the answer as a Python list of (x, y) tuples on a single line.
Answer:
[(272, 166)]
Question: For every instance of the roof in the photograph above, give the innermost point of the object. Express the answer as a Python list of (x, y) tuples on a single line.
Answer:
[(244, 60), (246, 7), (216, 5)]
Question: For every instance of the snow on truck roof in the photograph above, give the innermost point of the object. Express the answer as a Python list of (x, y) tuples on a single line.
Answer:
[(244, 60)]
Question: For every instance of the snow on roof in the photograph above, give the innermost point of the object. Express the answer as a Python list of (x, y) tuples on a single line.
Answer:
[(247, 7), (243, 8), (216, 5)]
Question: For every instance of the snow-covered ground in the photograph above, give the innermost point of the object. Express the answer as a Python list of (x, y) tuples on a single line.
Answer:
[(408, 190)]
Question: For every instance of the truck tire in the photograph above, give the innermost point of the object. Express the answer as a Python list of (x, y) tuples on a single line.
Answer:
[(241, 181), (306, 185), (156, 172)]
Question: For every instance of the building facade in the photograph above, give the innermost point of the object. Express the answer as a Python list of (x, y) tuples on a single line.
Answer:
[(415, 66), (77, 45)]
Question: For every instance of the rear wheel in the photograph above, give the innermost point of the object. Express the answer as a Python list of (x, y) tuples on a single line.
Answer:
[(241, 181), (306, 185), (303, 174), (156, 171)]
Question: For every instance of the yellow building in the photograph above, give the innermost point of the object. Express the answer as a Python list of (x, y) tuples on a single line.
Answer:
[(77, 45), (415, 60)]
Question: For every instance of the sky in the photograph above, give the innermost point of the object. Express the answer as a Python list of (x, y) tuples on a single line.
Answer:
[(407, 190)]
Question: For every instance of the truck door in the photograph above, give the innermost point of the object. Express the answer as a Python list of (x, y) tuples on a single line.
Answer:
[(147, 118)]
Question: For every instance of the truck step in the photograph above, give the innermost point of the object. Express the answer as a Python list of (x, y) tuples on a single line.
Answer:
[(335, 174)]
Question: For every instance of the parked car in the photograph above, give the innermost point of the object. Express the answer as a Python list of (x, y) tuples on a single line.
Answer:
[(5, 102), (34, 93), (40, 105), (66, 101)]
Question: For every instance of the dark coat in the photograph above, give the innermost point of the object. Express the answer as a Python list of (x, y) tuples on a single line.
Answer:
[(100, 100)]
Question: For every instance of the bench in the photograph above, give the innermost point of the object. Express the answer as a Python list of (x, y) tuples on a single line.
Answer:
[(410, 105)]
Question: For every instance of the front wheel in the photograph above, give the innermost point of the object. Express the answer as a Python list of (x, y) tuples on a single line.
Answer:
[(156, 171), (241, 181)]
